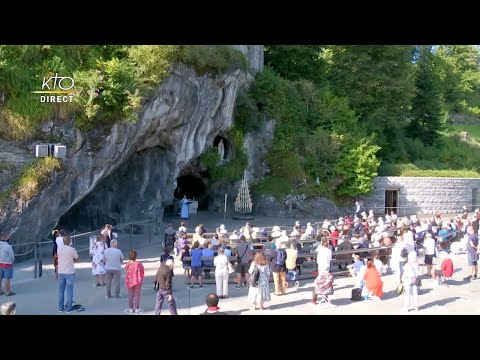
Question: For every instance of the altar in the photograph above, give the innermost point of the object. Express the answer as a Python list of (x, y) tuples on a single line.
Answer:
[(193, 207)]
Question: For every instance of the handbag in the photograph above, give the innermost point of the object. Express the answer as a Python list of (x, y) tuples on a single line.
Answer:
[(418, 281), (239, 258), (400, 289)]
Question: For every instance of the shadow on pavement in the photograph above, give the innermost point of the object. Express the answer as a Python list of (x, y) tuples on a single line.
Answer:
[(440, 302)]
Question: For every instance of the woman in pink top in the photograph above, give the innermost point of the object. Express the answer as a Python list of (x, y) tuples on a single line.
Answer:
[(134, 274)]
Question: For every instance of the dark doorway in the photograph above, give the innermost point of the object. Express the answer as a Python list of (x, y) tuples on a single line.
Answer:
[(391, 201), (194, 188)]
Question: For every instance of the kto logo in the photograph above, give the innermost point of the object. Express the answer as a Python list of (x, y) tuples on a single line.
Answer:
[(60, 85)]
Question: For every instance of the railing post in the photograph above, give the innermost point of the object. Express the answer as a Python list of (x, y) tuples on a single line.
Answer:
[(40, 260), (149, 232), (35, 268), (131, 236)]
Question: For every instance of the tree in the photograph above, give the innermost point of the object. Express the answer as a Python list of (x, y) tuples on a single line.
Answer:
[(459, 73), (295, 62), (426, 114), (379, 84), (356, 167)]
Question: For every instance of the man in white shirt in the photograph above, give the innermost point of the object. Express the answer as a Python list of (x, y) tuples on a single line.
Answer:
[(67, 255), (429, 245), (113, 264), (324, 256), (409, 241)]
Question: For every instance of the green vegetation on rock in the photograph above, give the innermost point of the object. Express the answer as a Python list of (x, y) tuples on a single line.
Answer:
[(316, 136), (277, 187), (112, 82), (33, 178), (233, 170)]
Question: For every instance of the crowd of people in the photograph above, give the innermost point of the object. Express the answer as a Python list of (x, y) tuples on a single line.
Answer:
[(363, 246), (366, 246)]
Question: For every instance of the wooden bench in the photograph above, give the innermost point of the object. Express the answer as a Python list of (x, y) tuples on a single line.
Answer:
[(307, 268)]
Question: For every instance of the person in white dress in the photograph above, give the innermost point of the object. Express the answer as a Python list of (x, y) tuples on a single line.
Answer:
[(221, 274), (98, 261)]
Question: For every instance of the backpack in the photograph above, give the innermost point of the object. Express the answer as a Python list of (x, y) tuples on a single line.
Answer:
[(404, 253), (165, 257), (255, 276), (169, 239), (356, 294), (281, 257)]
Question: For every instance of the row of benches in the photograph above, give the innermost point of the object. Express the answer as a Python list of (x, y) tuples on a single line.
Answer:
[(307, 266)]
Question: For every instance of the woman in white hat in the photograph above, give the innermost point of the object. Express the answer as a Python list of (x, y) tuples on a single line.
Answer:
[(310, 231), (223, 231), (276, 232)]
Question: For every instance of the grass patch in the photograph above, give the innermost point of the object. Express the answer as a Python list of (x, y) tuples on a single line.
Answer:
[(33, 178), (473, 131), (413, 171), (277, 187), (441, 173)]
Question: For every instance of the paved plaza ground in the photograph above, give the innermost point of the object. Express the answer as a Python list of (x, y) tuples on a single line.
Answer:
[(39, 296)]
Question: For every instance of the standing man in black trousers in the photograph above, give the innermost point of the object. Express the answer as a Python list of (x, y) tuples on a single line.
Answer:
[(163, 285)]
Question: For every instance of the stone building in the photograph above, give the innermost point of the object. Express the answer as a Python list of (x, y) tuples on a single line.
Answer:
[(422, 195)]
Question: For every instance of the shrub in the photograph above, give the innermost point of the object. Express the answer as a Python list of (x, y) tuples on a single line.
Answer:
[(277, 187), (356, 167)]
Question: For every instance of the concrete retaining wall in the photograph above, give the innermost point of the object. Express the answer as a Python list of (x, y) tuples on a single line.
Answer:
[(424, 195)]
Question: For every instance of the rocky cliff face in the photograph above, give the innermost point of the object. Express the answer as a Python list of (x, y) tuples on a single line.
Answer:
[(12, 158), (254, 54), (135, 166)]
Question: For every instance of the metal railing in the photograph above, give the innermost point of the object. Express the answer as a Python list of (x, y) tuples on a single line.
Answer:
[(417, 209), (137, 235)]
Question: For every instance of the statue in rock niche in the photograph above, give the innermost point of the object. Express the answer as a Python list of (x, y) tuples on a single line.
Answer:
[(221, 150)]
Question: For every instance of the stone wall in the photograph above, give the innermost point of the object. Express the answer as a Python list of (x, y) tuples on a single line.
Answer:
[(424, 195)]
